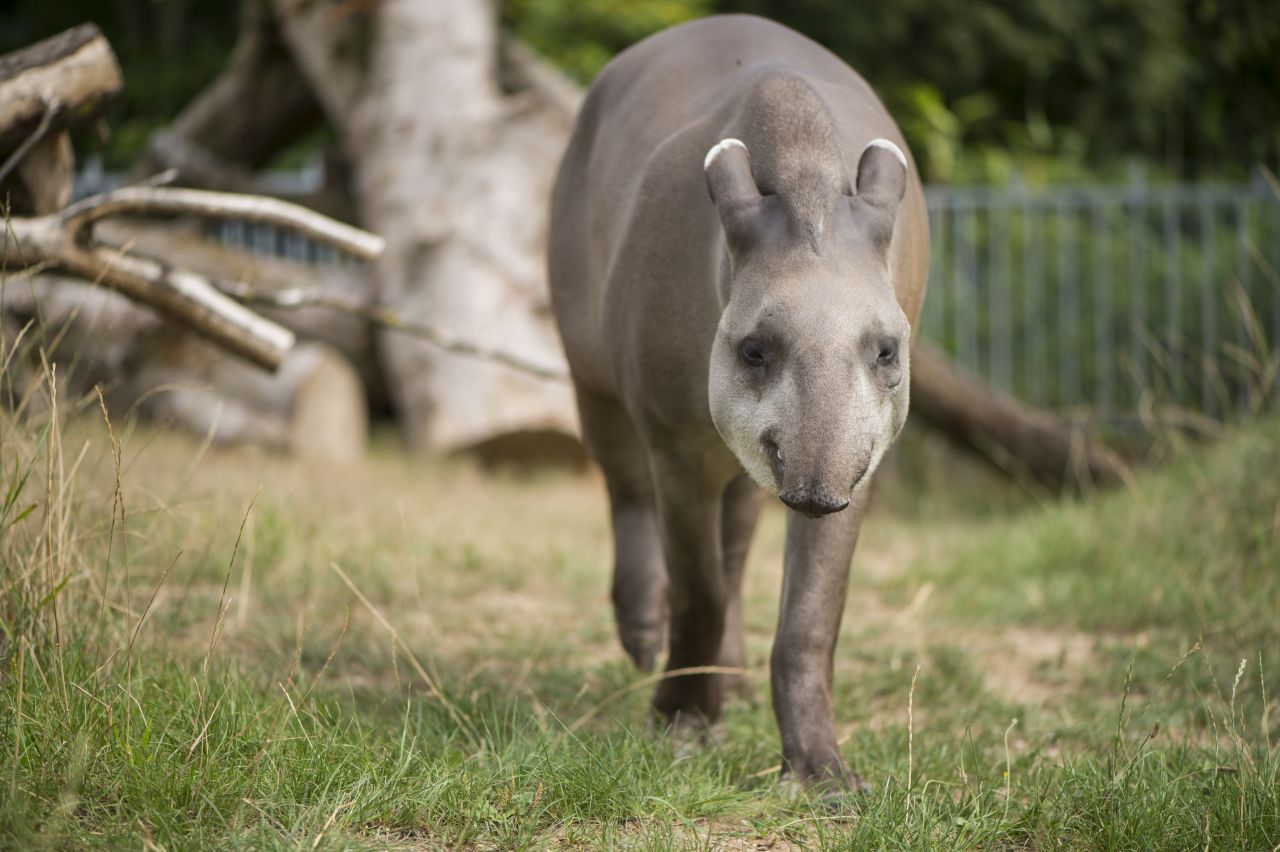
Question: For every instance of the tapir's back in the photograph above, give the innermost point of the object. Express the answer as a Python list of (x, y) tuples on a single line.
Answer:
[(631, 196)]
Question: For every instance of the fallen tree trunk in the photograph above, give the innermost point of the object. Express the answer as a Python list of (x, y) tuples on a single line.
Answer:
[(1002, 429)]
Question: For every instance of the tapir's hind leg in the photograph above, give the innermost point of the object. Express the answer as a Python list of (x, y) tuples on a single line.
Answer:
[(741, 509), (639, 577), (689, 507)]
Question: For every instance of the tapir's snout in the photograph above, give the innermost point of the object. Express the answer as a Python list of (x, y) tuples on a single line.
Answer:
[(808, 495), (813, 500)]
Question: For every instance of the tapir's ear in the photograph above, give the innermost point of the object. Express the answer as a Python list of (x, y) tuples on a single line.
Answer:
[(882, 174), (732, 186), (882, 181)]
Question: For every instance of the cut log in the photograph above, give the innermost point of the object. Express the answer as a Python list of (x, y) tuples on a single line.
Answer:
[(328, 417), (58, 82), (1002, 429), (44, 89), (313, 406)]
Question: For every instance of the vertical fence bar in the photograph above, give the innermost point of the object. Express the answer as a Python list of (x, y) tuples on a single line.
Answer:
[(959, 284), (1208, 309), (1174, 342), (1138, 286), (1033, 287), (1103, 318), (930, 327), (964, 235), (1002, 331), (973, 298), (946, 277), (996, 301), (1069, 352)]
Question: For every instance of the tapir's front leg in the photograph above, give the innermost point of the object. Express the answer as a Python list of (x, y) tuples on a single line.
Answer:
[(816, 574), (689, 512)]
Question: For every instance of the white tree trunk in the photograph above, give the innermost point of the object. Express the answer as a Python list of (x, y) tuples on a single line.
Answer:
[(459, 187), (456, 176)]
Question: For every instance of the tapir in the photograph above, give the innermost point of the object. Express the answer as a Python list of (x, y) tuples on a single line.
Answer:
[(737, 257)]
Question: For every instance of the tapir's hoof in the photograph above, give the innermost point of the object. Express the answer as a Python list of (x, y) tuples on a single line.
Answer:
[(642, 642), (689, 733), (836, 790)]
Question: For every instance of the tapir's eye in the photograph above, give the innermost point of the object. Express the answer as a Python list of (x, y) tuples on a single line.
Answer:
[(887, 355), (752, 352)]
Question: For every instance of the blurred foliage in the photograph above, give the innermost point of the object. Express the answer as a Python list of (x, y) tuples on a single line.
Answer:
[(982, 87), (582, 35), (985, 90)]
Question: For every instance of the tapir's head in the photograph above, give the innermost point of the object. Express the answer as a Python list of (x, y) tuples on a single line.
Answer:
[(809, 369)]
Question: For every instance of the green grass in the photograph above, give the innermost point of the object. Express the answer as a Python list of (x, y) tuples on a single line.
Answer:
[(465, 688)]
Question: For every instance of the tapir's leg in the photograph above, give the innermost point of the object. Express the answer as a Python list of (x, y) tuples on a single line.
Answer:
[(639, 577), (741, 509), (815, 576), (689, 511)]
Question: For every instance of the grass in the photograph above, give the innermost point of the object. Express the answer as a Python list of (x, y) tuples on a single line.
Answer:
[(213, 648)]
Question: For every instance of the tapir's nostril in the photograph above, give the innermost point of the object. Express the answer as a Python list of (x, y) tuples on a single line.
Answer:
[(814, 502), (773, 453)]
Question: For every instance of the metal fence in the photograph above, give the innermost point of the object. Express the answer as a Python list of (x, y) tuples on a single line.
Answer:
[(1106, 297), (1073, 297)]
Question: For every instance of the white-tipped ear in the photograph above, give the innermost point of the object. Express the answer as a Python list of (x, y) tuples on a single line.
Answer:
[(892, 148), (728, 170), (882, 175), (733, 190), (718, 149)]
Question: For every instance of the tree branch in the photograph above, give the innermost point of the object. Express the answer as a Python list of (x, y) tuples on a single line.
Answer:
[(305, 297), (62, 240), (150, 201)]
